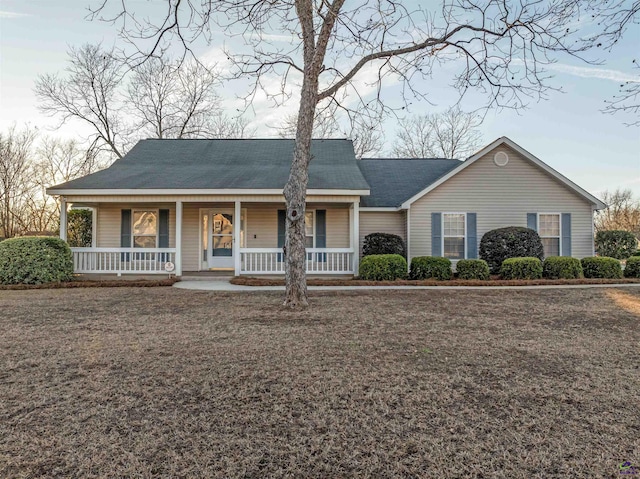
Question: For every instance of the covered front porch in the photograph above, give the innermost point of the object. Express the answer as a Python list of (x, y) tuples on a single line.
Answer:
[(239, 236)]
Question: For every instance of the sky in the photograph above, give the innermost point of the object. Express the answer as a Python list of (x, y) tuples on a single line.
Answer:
[(567, 131)]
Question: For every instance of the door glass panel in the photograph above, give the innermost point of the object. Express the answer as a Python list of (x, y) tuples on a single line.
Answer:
[(222, 234), (223, 246)]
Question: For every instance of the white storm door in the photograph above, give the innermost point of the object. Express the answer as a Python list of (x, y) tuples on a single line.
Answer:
[(221, 245)]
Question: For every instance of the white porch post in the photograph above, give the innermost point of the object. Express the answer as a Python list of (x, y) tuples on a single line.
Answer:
[(63, 218), (178, 238), (236, 237), (355, 232), (94, 226)]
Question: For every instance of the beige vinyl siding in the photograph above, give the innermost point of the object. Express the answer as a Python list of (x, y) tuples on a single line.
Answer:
[(110, 218), (392, 222), (337, 227), (502, 196), (262, 226)]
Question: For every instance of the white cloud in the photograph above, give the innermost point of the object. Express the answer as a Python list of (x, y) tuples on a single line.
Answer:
[(6, 14), (590, 72)]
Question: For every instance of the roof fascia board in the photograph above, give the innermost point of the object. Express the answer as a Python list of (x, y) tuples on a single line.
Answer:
[(504, 140), (379, 208), (155, 192)]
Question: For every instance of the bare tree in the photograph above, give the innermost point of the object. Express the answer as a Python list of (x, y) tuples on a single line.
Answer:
[(613, 19), (452, 134), (622, 212), (498, 46), (165, 99), (15, 158), (367, 139), (89, 93)]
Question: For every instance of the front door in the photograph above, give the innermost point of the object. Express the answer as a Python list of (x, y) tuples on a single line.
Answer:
[(221, 240)]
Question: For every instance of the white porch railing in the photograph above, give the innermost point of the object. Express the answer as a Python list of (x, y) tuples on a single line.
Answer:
[(122, 260), (319, 261)]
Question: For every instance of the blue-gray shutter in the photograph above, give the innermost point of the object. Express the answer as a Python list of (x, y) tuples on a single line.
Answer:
[(532, 221), (436, 234), (321, 233), (163, 229), (566, 234), (282, 230), (125, 232), (472, 236), (163, 232)]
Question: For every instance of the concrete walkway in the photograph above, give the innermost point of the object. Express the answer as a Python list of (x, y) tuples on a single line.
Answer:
[(225, 285)]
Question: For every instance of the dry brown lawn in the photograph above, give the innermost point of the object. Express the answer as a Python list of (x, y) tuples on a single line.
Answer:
[(161, 382)]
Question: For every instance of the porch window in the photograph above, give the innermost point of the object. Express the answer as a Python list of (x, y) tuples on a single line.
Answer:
[(454, 234), (145, 229), (309, 229), (549, 231)]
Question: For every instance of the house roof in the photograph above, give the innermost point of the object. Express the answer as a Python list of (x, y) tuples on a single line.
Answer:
[(247, 164), (393, 181), (598, 204)]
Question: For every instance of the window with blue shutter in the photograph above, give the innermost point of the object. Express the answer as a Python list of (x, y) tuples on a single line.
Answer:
[(472, 236), (436, 234), (163, 232), (125, 233), (282, 231), (321, 233), (566, 234)]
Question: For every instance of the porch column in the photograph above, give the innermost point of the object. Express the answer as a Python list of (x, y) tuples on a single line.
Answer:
[(178, 260), (236, 237), (355, 233), (63, 218)]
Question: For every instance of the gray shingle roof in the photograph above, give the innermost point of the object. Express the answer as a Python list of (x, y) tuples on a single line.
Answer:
[(394, 181), (224, 164)]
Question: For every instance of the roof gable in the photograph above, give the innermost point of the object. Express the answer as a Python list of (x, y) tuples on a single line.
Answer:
[(525, 154)]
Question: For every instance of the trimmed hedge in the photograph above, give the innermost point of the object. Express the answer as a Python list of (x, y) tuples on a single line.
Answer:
[(383, 243), (472, 269), (521, 268), (383, 267), (79, 228), (601, 267), (632, 269), (616, 244), (35, 260), (562, 267), (510, 242), (427, 267)]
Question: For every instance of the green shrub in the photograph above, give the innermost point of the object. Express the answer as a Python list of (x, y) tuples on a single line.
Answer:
[(35, 260), (521, 268), (383, 243), (616, 244), (561, 267), (472, 269), (383, 267), (427, 267), (510, 242), (601, 267), (79, 228), (632, 269)]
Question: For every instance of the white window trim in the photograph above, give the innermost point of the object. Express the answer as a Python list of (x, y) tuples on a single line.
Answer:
[(466, 246), (314, 226), (133, 235), (559, 215)]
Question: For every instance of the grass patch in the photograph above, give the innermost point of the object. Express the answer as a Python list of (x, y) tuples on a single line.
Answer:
[(162, 382)]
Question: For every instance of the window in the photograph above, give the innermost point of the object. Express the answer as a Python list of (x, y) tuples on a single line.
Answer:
[(454, 235), (549, 231), (145, 228), (309, 229)]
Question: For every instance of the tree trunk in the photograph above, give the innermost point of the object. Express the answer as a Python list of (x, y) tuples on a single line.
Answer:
[(295, 194)]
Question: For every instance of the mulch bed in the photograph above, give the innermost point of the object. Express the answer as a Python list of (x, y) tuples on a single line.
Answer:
[(168, 383), (253, 281), (86, 283)]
